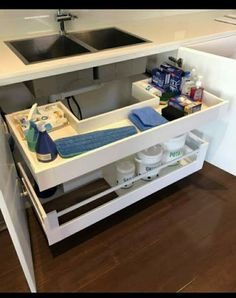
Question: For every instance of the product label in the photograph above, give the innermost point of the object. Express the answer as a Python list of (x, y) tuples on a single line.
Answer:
[(125, 179), (44, 157), (150, 168), (175, 154)]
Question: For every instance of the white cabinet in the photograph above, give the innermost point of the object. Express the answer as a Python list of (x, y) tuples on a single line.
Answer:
[(102, 159), (216, 61)]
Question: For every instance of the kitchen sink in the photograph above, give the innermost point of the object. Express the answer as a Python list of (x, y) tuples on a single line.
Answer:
[(108, 38), (39, 49)]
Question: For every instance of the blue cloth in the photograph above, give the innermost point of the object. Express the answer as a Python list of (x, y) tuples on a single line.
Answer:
[(146, 118), (71, 146)]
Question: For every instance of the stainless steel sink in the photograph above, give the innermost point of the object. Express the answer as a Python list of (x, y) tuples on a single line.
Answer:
[(45, 48), (39, 49), (107, 38)]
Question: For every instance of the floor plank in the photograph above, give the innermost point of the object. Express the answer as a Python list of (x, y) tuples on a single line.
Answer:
[(180, 239)]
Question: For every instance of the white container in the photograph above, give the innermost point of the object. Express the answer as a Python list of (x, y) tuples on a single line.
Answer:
[(173, 148), (125, 171), (148, 160)]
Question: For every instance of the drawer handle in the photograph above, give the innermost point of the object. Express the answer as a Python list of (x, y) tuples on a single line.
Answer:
[(32, 196)]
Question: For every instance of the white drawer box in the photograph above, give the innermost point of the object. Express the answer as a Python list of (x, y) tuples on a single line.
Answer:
[(65, 169), (56, 229)]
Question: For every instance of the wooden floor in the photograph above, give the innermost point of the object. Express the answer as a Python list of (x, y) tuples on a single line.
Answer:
[(183, 238)]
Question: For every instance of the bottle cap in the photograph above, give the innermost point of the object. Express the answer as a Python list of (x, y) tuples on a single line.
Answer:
[(194, 74), (199, 82), (41, 127), (187, 74)]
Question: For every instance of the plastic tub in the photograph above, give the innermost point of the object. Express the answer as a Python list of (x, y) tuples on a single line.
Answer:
[(125, 170), (147, 160), (173, 148)]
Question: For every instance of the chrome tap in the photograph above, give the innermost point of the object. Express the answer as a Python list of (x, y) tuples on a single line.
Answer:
[(62, 17)]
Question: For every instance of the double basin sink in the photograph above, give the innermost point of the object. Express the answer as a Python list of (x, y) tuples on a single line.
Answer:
[(39, 49)]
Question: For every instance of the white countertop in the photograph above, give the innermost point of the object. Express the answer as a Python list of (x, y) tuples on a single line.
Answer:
[(165, 34)]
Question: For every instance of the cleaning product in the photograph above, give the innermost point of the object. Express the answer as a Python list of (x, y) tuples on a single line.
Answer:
[(46, 150), (196, 93), (149, 160), (161, 78), (125, 171), (188, 81), (32, 136), (185, 103), (165, 97), (176, 75)]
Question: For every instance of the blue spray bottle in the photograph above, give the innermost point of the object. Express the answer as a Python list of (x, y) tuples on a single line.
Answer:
[(46, 150)]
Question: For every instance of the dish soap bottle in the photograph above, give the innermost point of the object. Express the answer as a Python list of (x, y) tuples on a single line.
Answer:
[(197, 91), (32, 136), (46, 150)]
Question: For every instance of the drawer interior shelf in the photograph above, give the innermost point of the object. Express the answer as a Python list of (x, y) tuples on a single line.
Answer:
[(65, 169), (101, 198)]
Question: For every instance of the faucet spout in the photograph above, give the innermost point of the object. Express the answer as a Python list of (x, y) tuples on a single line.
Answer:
[(61, 17)]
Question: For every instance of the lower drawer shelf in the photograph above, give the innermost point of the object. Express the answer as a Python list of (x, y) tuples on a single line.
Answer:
[(59, 222)]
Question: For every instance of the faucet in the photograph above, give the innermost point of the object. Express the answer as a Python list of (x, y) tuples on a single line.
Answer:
[(62, 17)]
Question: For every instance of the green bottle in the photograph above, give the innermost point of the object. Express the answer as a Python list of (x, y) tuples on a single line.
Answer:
[(32, 136)]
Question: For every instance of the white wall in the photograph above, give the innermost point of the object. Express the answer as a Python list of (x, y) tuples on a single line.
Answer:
[(16, 22)]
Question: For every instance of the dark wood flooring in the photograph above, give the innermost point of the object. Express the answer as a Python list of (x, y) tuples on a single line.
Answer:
[(180, 239)]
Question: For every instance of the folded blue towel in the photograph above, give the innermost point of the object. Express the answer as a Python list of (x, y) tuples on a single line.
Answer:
[(146, 118), (75, 145)]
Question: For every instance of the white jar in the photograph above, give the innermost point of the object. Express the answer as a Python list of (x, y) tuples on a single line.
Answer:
[(125, 171), (148, 160), (173, 148)]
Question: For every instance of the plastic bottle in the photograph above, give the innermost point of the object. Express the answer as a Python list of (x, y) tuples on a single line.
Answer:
[(188, 82), (197, 91), (32, 136), (46, 150)]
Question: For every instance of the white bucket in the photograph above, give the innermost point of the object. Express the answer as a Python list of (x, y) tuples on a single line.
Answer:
[(148, 160), (125, 171), (173, 148)]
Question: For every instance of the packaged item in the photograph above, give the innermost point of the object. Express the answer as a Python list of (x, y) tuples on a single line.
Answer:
[(166, 96), (151, 88), (172, 69), (161, 78), (184, 103), (176, 75), (171, 113), (196, 92), (175, 82)]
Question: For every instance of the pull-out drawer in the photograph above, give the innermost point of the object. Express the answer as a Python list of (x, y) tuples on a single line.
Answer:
[(89, 204), (65, 169)]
